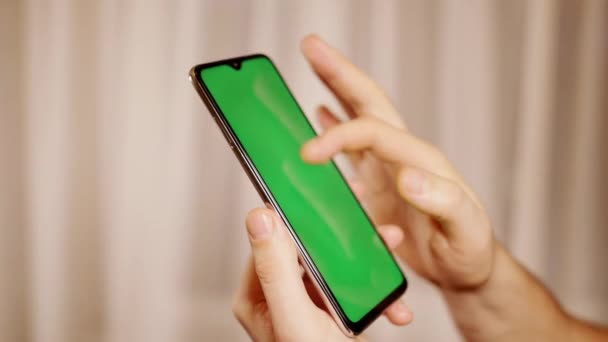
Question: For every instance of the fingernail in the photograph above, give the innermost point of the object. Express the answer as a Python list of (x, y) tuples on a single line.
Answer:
[(260, 228), (413, 182)]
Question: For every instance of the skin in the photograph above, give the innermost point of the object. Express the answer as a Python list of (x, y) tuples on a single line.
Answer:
[(275, 301), (424, 211)]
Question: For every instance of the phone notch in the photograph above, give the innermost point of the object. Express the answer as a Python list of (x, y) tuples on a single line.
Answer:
[(236, 64)]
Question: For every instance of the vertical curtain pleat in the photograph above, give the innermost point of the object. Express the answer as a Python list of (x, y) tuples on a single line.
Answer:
[(48, 164), (583, 211), (415, 90), (529, 223), (141, 242), (84, 280), (466, 79), (14, 274)]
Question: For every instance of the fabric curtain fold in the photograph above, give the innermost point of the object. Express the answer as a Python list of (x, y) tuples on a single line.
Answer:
[(122, 208)]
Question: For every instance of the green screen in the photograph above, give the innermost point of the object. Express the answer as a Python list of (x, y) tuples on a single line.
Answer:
[(315, 199)]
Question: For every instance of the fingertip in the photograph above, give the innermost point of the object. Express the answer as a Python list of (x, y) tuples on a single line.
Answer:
[(311, 152), (399, 314), (305, 151), (257, 214), (260, 224), (309, 41), (257, 211), (307, 45), (319, 54), (309, 37), (392, 235)]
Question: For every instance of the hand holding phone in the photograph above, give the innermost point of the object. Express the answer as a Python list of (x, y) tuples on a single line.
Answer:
[(274, 302), (447, 236)]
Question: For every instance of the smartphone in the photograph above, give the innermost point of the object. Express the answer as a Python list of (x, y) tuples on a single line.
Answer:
[(352, 268)]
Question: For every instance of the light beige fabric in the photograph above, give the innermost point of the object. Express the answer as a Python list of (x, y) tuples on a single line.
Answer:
[(121, 207)]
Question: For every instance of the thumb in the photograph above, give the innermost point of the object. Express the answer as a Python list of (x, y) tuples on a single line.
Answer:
[(464, 242), (277, 268), (442, 199)]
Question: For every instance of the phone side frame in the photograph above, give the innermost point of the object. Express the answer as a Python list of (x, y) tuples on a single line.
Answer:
[(348, 327)]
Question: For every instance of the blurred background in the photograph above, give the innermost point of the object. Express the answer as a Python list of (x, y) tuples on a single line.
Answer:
[(122, 208)]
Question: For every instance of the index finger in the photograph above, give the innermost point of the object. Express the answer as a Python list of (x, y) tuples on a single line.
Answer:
[(388, 143), (358, 93)]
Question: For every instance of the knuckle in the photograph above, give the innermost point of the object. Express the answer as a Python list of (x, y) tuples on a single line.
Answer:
[(368, 120), (453, 197), (333, 134), (369, 128), (356, 102), (331, 131), (266, 270)]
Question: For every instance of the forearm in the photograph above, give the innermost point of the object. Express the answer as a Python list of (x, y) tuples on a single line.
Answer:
[(513, 305)]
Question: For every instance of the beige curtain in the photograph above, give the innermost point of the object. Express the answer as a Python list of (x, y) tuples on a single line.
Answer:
[(121, 206)]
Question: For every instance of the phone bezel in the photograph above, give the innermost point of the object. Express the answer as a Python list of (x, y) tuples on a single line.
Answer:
[(349, 327)]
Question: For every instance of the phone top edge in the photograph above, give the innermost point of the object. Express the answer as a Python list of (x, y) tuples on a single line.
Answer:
[(196, 69)]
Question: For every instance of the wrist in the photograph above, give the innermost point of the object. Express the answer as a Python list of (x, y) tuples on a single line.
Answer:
[(474, 309), (510, 305)]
